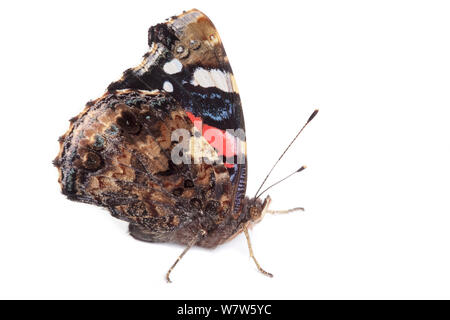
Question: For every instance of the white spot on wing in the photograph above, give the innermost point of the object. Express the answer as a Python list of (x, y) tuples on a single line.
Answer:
[(200, 150), (173, 66), (167, 86), (222, 80), (213, 78), (202, 78)]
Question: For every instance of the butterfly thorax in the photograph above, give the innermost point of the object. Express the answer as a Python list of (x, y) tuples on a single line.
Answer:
[(252, 212)]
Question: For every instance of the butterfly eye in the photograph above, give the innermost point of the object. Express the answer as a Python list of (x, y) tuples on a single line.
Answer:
[(127, 121), (92, 161), (254, 212)]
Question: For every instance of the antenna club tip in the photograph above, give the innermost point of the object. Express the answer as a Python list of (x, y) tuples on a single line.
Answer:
[(301, 168), (315, 112)]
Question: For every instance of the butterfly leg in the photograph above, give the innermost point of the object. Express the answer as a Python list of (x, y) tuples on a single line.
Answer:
[(285, 211), (199, 235), (253, 256)]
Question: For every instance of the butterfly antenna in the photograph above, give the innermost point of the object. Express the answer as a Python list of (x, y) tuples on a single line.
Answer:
[(282, 155), (287, 177)]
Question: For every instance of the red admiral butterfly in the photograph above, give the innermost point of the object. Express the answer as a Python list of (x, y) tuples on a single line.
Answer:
[(164, 147)]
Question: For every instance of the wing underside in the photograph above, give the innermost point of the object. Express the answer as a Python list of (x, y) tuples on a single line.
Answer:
[(187, 60)]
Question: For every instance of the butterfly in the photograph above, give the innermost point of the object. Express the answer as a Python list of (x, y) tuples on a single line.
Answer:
[(164, 148)]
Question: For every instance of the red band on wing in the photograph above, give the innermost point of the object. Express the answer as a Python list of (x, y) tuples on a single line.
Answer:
[(222, 141)]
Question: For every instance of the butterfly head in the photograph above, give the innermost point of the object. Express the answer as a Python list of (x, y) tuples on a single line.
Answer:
[(257, 209)]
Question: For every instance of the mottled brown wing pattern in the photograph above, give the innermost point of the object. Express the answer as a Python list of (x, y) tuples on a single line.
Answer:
[(117, 154)]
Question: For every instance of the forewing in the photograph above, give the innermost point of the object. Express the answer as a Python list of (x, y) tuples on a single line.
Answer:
[(187, 60)]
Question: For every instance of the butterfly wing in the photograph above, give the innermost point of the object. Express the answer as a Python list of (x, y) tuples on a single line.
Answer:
[(187, 60)]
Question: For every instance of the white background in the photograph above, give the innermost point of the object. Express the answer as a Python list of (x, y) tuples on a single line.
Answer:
[(376, 190)]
